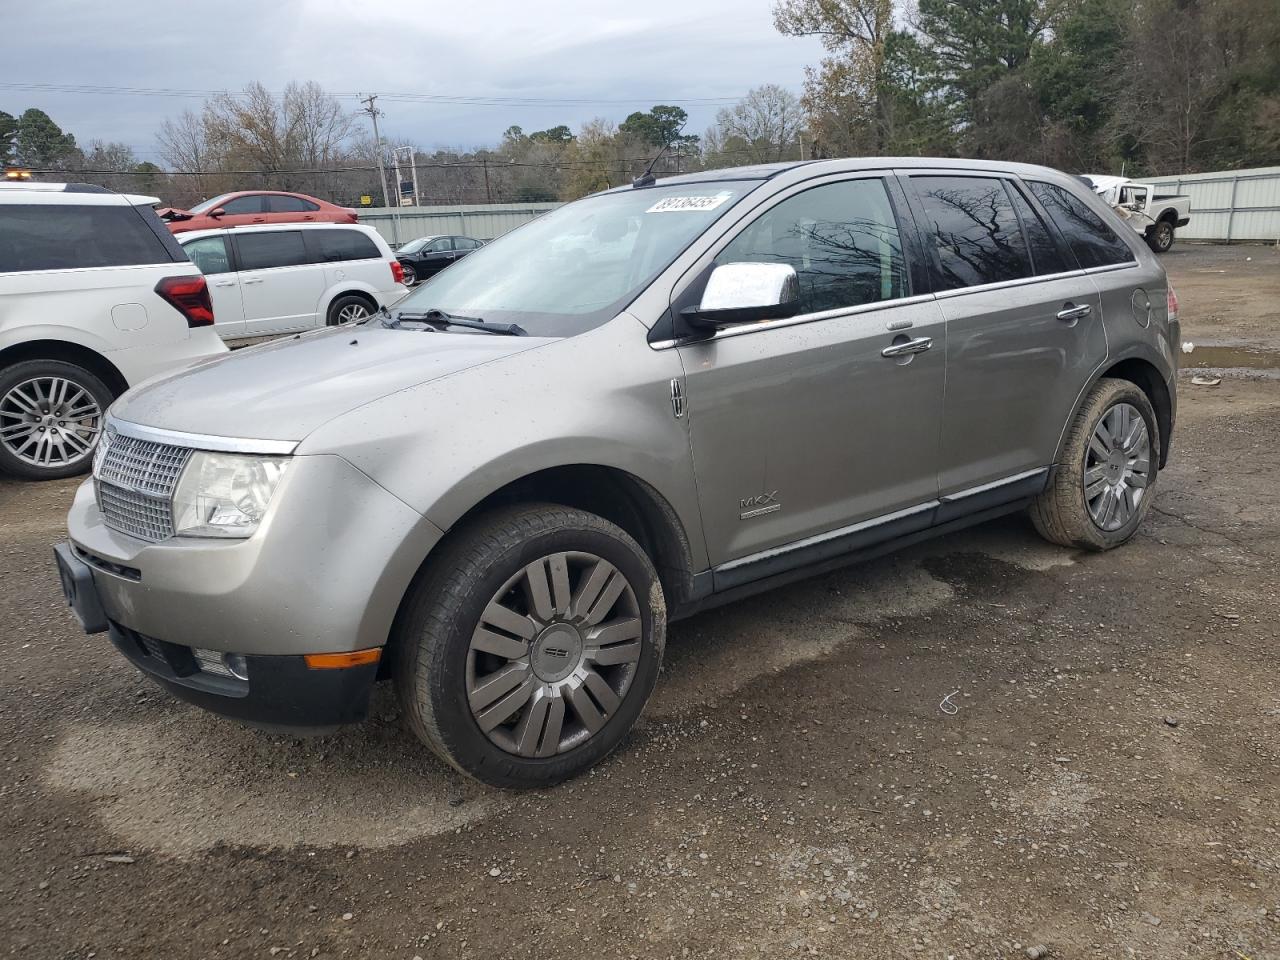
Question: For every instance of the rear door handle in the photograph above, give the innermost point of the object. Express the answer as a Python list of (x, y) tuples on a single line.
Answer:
[(1069, 312), (252, 280), (225, 283), (918, 345)]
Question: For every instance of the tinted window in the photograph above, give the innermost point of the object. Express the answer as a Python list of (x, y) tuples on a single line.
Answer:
[(282, 248), (289, 205), (438, 246), (464, 243), (57, 237), (974, 229), (841, 239), (243, 205), (1046, 256), (210, 255), (1093, 242), (343, 245)]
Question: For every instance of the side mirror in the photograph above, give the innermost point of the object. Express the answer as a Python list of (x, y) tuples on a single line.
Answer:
[(217, 212), (746, 293)]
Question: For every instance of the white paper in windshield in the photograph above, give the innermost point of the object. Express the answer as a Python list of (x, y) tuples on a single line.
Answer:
[(678, 204)]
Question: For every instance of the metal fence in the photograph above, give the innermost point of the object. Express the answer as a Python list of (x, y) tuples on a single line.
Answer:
[(480, 222), (1229, 206)]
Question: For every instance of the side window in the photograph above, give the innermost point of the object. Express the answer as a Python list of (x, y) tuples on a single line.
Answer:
[(1093, 242), (334, 245), (841, 238), (210, 255), (65, 237), (438, 246), (464, 243), (244, 205), (289, 205), (974, 229), (278, 248), (1046, 256)]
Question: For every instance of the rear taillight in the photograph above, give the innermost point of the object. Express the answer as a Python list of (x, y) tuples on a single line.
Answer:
[(190, 297), (1173, 304), (397, 272)]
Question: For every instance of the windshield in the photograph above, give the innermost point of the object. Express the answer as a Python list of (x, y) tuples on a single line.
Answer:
[(207, 205), (579, 265), (413, 246)]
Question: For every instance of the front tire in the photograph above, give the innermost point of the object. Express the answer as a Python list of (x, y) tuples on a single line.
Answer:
[(530, 645), (1104, 481), (1160, 239), (51, 415)]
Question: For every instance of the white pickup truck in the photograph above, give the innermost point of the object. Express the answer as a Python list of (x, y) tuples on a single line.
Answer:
[(1154, 215)]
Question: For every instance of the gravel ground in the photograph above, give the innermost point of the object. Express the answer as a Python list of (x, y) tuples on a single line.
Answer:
[(1107, 786)]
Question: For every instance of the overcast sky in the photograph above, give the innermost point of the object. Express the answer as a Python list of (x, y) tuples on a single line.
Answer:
[(659, 51)]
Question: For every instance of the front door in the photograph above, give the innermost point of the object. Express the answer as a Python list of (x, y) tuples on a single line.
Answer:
[(213, 257), (1024, 327), (803, 426), (280, 285)]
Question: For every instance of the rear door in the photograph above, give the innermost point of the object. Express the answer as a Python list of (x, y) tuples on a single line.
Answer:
[(1024, 330), (279, 282), (286, 209), (213, 256)]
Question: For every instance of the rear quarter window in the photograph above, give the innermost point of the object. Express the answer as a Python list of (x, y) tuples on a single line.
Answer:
[(332, 245), (68, 237), (1093, 242)]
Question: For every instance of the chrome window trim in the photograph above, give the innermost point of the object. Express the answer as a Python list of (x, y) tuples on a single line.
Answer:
[(201, 441), (1006, 284), (1110, 267), (739, 330)]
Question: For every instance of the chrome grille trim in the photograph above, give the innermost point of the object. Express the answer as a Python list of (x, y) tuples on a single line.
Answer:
[(134, 480)]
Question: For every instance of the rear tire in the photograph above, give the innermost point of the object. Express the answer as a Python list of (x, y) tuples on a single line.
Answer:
[(410, 274), (530, 644), (51, 415), (1160, 238), (1103, 485), (348, 308)]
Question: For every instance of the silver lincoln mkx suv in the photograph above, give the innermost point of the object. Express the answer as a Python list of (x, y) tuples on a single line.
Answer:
[(647, 402)]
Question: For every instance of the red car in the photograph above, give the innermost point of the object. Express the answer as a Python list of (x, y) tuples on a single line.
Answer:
[(255, 206)]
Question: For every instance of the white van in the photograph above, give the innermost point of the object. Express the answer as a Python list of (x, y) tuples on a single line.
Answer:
[(289, 277), (95, 296)]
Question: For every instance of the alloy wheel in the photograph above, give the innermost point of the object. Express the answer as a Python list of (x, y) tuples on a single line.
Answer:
[(554, 654), (1117, 466), (49, 421), (352, 312)]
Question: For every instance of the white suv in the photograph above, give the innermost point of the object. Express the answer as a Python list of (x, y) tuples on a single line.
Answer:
[(284, 278), (95, 296)]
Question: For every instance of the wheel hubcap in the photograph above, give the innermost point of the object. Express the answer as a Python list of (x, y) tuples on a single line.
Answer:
[(49, 421), (554, 654), (352, 312), (1117, 467)]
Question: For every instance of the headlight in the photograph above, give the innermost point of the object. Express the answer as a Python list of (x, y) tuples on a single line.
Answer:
[(224, 494)]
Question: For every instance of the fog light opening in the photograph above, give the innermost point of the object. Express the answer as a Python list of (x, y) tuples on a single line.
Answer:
[(221, 664)]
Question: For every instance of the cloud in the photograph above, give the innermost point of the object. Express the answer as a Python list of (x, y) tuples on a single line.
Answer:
[(705, 54)]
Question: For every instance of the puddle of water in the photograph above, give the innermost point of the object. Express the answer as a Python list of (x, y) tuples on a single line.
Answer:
[(1257, 360)]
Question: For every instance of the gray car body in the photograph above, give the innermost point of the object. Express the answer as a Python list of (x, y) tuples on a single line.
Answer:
[(798, 445)]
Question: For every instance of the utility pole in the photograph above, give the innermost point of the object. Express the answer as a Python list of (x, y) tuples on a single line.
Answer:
[(373, 112), (487, 192)]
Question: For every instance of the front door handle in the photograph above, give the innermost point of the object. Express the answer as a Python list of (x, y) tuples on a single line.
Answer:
[(918, 345), (1069, 312)]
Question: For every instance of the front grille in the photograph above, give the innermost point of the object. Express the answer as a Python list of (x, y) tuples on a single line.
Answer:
[(134, 480)]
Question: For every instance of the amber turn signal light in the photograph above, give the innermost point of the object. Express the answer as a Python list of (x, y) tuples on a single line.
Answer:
[(340, 661)]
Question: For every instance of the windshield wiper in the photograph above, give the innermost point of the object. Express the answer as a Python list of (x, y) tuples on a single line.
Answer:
[(435, 315)]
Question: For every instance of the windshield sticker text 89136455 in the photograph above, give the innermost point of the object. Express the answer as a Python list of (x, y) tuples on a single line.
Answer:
[(678, 204)]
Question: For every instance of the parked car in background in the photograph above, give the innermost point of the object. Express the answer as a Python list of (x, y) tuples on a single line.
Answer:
[(427, 256), (95, 296), (1154, 216), (255, 206), (287, 278)]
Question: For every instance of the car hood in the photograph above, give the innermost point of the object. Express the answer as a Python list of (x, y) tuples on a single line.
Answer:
[(285, 389)]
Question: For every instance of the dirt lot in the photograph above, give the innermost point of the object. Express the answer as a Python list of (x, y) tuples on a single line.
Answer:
[(1108, 787)]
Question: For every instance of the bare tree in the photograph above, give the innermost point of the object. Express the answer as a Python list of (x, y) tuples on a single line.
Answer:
[(765, 125)]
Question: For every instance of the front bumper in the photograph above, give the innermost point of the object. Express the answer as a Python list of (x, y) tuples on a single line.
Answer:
[(324, 573)]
